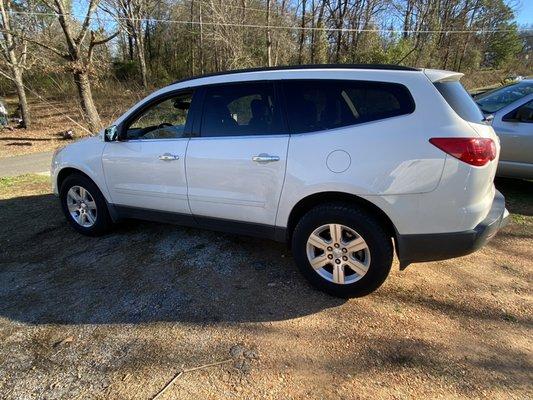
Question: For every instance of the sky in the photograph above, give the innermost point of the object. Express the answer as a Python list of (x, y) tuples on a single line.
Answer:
[(524, 12)]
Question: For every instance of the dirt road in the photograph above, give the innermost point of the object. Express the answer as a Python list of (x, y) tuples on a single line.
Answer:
[(116, 317)]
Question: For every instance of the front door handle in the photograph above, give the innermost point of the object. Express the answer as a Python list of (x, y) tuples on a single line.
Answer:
[(168, 157), (264, 158)]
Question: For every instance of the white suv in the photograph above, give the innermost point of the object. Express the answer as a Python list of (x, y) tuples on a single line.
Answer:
[(344, 163)]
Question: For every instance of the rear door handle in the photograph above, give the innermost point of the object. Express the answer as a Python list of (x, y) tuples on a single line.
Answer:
[(264, 158), (168, 157)]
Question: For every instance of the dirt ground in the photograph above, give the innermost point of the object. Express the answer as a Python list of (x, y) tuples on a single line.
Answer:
[(50, 118), (117, 317)]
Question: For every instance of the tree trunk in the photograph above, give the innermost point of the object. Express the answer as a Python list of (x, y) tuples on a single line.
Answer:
[(139, 47), (269, 37), (21, 93), (86, 99), (201, 49), (313, 33), (14, 63), (302, 34), (148, 43), (192, 41), (142, 65), (130, 47)]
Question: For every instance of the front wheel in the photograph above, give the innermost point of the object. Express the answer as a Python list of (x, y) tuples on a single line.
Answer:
[(84, 205), (342, 250)]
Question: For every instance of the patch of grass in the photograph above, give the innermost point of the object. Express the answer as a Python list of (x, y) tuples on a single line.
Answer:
[(520, 219), (23, 184), (11, 181)]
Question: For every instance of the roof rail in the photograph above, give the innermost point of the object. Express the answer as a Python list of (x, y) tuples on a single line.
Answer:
[(390, 67)]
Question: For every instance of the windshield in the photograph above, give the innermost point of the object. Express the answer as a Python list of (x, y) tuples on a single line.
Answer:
[(497, 99)]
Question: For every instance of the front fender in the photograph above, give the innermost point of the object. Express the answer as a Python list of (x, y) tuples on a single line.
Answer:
[(85, 156)]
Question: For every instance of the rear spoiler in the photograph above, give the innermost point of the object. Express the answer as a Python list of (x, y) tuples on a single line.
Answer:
[(439, 75)]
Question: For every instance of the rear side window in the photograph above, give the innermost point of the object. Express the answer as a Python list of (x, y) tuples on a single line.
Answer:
[(241, 109), (458, 98), (315, 105)]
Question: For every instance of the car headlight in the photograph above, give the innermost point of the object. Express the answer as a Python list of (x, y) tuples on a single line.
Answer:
[(58, 150)]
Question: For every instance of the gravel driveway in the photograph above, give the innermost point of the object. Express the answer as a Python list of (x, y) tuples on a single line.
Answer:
[(117, 317)]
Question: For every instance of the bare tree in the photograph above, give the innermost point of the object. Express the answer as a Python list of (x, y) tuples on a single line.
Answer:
[(302, 33), (80, 43), (132, 14), (268, 35), (14, 50)]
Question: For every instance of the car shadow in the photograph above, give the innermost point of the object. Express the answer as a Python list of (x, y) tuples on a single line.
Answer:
[(518, 195), (141, 273)]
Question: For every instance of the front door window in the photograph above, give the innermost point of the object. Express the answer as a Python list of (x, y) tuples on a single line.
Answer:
[(164, 120)]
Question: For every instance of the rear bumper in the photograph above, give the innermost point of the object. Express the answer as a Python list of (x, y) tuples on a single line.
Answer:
[(441, 246)]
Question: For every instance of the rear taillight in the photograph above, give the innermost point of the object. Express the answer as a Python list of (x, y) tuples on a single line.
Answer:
[(473, 151)]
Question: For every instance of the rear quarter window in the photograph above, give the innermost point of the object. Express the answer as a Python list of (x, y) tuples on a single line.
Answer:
[(462, 103), (315, 105)]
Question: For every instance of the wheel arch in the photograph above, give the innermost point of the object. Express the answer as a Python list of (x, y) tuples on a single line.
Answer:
[(307, 203), (69, 171)]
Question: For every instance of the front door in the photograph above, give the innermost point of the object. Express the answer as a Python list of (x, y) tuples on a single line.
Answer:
[(145, 169), (236, 167)]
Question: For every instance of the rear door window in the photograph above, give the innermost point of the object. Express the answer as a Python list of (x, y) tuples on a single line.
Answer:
[(241, 109), (458, 98), (523, 113), (315, 105)]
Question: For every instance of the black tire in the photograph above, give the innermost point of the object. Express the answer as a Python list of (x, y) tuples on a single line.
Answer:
[(367, 226), (103, 221)]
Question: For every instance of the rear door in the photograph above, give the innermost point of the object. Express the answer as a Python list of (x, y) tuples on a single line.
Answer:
[(236, 166)]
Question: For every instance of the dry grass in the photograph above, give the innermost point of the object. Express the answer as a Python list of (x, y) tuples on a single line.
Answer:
[(117, 317), (51, 117)]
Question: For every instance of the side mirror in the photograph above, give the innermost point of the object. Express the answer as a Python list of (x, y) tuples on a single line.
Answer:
[(111, 133)]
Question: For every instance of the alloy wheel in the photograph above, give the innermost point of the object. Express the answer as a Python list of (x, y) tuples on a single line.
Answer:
[(338, 253), (81, 206)]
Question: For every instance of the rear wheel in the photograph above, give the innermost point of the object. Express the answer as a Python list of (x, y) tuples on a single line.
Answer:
[(342, 250), (84, 205)]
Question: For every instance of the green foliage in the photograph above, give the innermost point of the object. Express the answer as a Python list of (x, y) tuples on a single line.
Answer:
[(472, 59), (125, 70), (504, 46), (321, 46), (398, 51)]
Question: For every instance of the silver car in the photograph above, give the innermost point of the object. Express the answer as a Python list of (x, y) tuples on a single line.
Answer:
[(512, 108)]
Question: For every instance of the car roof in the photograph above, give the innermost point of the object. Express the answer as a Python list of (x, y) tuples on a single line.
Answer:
[(391, 67)]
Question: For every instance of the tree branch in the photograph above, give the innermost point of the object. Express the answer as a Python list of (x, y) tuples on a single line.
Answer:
[(95, 43), (93, 4), (61, 16), (43, 45)]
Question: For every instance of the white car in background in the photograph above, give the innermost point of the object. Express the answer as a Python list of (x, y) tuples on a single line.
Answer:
[(512, 108), (344, 163)]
